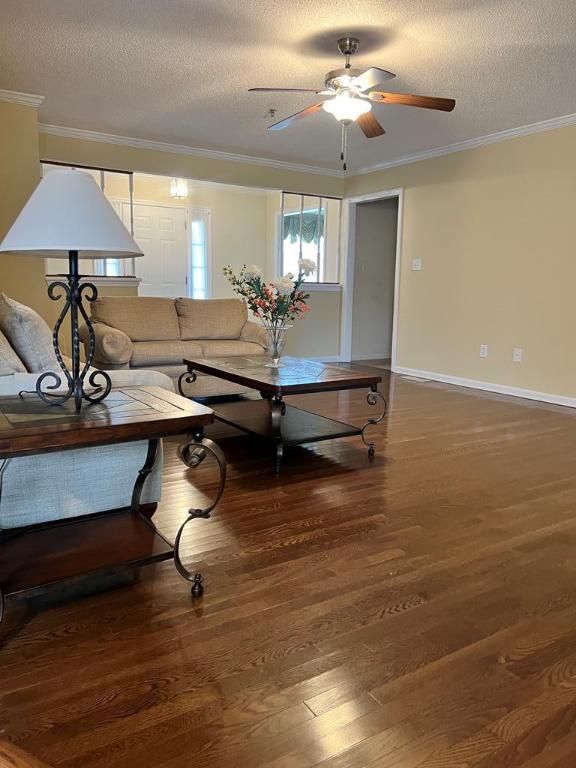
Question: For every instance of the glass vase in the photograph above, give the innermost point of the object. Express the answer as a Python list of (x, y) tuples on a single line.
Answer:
[(276, 333)]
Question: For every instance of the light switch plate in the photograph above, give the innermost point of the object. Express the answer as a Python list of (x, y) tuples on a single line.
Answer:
[(483, 350), (416, 265), (517, 355)]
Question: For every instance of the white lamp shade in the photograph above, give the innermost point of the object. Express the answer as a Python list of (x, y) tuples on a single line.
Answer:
[(69, 212)]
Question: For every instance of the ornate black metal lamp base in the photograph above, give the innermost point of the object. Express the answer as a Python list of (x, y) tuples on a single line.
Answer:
[(73, 292)]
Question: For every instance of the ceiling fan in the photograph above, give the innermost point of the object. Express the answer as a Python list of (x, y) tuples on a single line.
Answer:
[(351, 92)]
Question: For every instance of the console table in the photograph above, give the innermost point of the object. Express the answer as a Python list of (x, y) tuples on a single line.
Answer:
[(39, 555)]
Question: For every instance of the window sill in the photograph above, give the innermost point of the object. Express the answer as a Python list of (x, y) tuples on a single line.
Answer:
[(100, 280)]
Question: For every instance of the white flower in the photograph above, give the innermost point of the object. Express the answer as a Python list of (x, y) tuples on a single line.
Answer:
[(307, 266), (284, 285), (253, 272)]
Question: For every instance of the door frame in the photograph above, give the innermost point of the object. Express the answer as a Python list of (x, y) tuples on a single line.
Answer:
[(349, 238)]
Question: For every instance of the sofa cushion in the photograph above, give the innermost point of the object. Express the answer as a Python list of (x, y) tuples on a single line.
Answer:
[(229, 348), (9, 360), (151, 353), (211, 318), (28, 334), (141, 318)]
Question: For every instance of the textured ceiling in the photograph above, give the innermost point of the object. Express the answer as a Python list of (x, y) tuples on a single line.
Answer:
[(178, 70)]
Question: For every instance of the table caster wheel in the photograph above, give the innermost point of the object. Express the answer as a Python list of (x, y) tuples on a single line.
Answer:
[(198, 585)]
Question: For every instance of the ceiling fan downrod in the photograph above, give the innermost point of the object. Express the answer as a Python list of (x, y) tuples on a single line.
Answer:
[(348, 46)]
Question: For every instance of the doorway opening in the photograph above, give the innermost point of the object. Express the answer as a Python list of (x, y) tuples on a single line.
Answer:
[(370, 308)]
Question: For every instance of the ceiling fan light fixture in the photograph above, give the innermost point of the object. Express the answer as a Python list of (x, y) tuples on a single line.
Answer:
[(179, 189), (346, 108)]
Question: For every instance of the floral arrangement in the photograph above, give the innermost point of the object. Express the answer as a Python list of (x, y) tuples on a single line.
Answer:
[(278, 301)]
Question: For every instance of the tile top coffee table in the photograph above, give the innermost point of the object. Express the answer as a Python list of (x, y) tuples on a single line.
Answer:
[(271, 418), (38, 555)]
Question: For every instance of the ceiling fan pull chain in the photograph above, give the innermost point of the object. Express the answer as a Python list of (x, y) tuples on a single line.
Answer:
[(344, 146)]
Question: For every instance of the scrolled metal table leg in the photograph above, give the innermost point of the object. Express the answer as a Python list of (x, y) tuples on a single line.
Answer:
[(189, 377), (277, 410), (372, 398), (153, 446), (193, 454)]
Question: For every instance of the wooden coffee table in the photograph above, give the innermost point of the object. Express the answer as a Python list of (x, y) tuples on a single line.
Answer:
[(271, 418), (38, 555)]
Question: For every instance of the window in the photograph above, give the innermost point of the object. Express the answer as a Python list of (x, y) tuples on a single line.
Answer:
[(198, 281), (309, 228)]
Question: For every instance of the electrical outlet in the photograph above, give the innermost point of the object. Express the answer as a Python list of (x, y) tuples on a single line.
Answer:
[(483, 350), (517, 355), (416, 265)]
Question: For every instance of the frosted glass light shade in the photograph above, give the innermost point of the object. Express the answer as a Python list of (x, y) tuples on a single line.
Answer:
[(69, 212), (346, 108), (179, 189)]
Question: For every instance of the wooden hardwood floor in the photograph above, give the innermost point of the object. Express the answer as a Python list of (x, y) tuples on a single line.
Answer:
[(417, 612)]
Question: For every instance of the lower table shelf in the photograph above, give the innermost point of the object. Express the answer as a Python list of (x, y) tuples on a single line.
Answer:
[(35, 557), (297, 426)]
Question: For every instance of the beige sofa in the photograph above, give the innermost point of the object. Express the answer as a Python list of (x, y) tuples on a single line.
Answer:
[(157, 333)]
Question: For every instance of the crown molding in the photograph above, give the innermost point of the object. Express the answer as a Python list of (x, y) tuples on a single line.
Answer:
[(26, 99), (480, 141), (126, 141), (180, 149)]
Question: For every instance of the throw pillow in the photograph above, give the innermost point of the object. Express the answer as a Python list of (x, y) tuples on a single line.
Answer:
[(28, 334), (9, 360)]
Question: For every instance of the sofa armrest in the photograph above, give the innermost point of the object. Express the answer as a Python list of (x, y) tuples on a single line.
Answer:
[(14, 383), (141, 377), (112, 347), (255, 333)]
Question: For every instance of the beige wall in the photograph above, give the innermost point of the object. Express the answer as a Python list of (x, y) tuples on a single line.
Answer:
[(113, 156), (317, 334), (21, 278), (374, 268), (494, 229)]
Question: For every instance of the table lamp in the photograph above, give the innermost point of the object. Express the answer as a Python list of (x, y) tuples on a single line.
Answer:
[(69, 215)]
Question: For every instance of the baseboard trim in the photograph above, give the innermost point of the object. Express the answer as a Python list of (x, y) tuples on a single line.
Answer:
[(373, 356), (486, 386)]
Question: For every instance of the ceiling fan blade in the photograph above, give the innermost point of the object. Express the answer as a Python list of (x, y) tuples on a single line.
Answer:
[(409, 100), (293, 118), (372, 77), (287, 90), (370, 126)]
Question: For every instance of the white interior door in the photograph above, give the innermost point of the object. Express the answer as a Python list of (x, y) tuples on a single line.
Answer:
[(160, 232)]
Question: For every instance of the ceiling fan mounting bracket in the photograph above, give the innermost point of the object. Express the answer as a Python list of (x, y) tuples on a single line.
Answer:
[(348, 46)]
